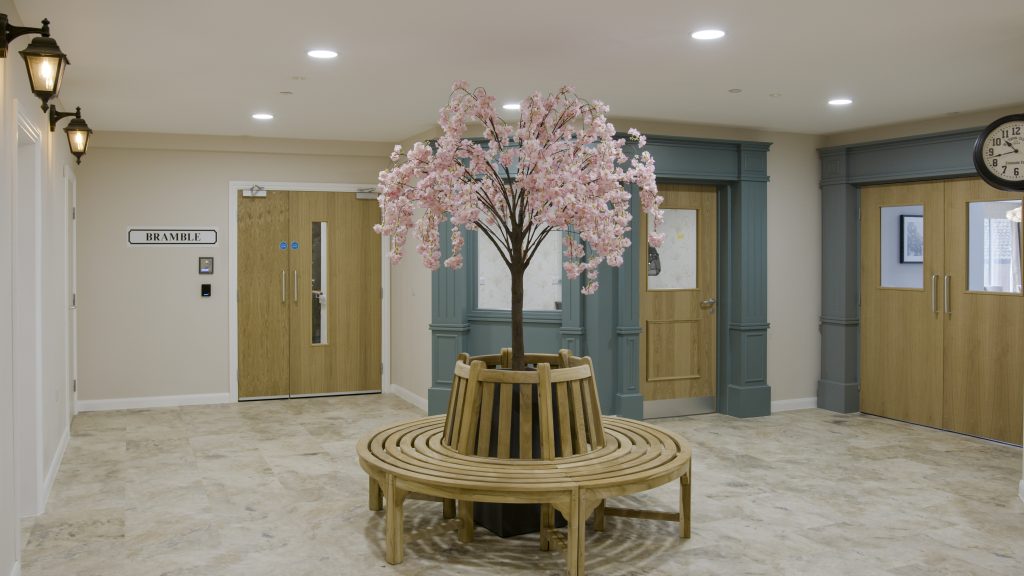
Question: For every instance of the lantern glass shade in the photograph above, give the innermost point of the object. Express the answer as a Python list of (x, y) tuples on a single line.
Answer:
[(78, 137), (45, 63)]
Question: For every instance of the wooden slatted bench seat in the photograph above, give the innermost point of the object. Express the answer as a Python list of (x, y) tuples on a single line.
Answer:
[(524, 437)]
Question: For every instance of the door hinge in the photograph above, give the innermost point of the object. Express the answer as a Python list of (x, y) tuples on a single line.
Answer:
[(74, 300), (74, 385), (858, 214), (74, 212)]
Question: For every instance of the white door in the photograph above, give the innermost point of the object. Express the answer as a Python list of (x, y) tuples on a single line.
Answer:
[(71, 191)]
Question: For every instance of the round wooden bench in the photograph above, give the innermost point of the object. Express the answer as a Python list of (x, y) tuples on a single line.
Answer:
[(596, 458)]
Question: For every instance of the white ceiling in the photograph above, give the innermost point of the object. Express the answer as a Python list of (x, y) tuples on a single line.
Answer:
[(204, 66)]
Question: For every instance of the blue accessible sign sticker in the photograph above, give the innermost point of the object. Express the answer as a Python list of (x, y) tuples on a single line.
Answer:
[(295, 245), (284, 245)]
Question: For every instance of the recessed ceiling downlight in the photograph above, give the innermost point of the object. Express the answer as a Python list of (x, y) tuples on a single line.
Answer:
[(709, 34), (262, 116), (322, 54), (511, 106), (840, 102)]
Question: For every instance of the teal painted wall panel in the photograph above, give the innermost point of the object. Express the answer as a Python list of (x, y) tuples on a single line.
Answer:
[(599, 340)]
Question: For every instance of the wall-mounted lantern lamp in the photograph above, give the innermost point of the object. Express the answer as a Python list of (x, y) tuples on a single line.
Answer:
[(44, 59), (77, 130)]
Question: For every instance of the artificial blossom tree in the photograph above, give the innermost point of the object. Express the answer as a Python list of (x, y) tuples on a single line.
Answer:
[(560, 167)]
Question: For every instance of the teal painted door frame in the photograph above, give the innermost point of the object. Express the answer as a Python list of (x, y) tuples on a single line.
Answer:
[(606, 325), (844, 169)]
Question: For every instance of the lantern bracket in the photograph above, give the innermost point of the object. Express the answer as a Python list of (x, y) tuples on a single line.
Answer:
[(8, 32), (56, 116)]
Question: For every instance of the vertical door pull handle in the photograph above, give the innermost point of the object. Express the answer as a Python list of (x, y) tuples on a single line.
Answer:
[(295, 287), (284, 288), (935, 305), (945, 295)]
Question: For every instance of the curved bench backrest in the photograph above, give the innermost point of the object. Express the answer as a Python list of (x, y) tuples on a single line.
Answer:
[(552, 412)]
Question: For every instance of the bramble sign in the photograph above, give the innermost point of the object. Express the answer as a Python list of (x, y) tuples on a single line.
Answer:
[(172, 236)]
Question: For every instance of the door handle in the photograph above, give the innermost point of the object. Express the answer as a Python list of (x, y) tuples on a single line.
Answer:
[(935, 304), (295, 286), (709, 303), (284, 287), (945, 296)]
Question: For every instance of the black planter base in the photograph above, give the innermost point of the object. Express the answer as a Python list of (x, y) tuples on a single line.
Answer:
[(507, 520)]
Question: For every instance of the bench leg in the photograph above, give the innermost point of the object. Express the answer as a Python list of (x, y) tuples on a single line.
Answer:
[(684, 504), (448, 508), (394, 522), (466, 524), (577, 535), (376, 496), (547, 524), (599, 517)]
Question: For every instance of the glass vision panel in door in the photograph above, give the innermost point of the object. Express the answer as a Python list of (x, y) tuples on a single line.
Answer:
[(319, 279), (673, 265), (993, 246), (902, 246)]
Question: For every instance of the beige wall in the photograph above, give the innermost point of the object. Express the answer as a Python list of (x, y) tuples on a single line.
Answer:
[(410, 325), (946, 123), (144, 331)]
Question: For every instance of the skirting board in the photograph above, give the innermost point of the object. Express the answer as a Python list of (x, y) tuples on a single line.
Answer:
[(409, 397), (152, 402), (794, 404), (58, 457)]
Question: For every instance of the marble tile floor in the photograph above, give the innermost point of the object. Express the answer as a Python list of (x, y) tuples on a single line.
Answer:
[(274, 488)]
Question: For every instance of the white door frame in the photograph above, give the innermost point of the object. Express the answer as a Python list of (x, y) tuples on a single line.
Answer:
[(385, 273), (28, 318)]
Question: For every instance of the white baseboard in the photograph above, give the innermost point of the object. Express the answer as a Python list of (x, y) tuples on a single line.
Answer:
[(1020, 491), (16, 569), (794, 404), (409, 397), (152, 402), (51, 474)]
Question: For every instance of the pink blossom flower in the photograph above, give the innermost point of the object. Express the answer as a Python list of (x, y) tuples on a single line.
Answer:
[(559, 168)]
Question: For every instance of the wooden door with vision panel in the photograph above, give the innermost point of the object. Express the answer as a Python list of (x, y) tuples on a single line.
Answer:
[(678, 299)]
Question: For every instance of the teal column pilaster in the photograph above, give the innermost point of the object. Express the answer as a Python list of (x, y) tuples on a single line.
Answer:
[(746, 389), (628, 400), (839, 386), (449, 327)]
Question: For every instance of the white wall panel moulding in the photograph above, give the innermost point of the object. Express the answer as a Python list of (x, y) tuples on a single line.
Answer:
[(794, 404), (409, 397), (58, 457), (152, 402)]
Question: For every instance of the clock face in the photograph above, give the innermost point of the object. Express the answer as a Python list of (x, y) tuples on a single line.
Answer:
[(999, 153)]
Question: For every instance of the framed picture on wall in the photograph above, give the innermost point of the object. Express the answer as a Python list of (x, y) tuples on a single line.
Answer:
[(911, 239)]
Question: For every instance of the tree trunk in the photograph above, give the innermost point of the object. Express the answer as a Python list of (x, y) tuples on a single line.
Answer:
[(517, 271)]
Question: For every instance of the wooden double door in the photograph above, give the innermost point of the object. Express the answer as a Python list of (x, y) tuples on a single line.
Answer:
[(309, 295), (942, 310), (678, 298)]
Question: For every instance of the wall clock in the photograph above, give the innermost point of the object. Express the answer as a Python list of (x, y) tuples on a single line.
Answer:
[(999, 153)]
